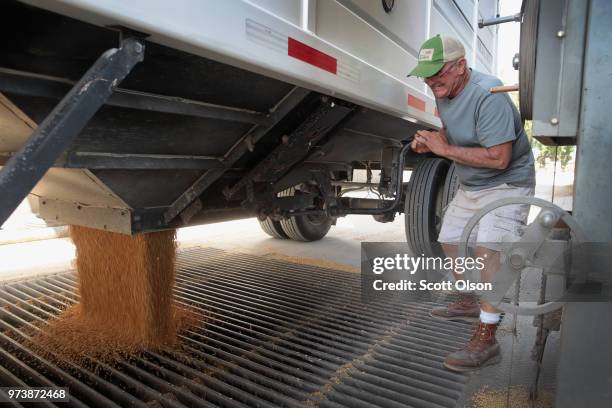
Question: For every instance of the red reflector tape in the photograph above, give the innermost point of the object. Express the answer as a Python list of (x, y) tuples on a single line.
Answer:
[(311, 56), (416, 102)]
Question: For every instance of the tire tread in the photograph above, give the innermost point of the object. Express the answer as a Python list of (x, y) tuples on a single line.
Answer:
[(420, 206)]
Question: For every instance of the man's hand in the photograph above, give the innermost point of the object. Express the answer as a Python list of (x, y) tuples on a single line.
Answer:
[(434, 142), (418, 147)]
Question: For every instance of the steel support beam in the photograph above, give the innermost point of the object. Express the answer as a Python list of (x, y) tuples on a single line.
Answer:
[(293, 98), (129, 161), (584, 377), (124, 161), (299, 145), (353, 184), (31, 84), (58, 130)]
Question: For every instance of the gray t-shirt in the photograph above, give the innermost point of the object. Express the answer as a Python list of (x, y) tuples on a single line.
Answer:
[(478, 118)]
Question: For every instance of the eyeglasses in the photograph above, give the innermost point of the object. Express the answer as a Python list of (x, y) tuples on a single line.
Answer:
[(441, 74)]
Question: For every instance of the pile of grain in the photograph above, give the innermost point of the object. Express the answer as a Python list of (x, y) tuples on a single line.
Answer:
[(125, 285), (516, 396)]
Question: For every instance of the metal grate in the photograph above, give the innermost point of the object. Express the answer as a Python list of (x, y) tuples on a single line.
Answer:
[(277, 334)]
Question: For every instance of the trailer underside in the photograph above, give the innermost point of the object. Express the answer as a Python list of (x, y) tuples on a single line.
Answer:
[(179, 131)]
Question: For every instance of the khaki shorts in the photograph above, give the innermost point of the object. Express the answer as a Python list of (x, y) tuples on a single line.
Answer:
[(501, 225)]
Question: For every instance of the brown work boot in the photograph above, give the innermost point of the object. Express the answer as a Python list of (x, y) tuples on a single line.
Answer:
[(466, 309), (482, 350)]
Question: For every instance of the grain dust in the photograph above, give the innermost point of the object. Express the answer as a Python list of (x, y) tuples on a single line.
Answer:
[(320, 263), (514, 397), (126, 305)]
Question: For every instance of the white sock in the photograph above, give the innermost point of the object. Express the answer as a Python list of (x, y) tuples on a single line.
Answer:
[(489, 318)]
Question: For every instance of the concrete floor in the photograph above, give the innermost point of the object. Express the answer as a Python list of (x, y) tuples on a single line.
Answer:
[(508, 383)]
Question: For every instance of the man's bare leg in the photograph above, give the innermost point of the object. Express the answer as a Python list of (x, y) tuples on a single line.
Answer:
[(483, 349), (491, 266), (452, 251), (466, 308)]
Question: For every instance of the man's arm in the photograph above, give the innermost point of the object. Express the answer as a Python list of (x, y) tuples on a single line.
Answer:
[(495, 133), (495, 157)]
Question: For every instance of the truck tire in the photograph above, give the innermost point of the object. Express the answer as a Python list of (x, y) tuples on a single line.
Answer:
[(424, 205), (451, 185), (306, 228), (273, 228)]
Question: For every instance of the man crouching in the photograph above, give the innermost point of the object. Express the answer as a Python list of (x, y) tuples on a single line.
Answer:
[(483, 134)]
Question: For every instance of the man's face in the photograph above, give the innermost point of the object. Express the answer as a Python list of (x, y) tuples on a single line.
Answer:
[(444, 81)]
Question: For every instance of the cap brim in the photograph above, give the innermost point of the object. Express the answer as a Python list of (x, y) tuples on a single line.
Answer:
[(426, 69)]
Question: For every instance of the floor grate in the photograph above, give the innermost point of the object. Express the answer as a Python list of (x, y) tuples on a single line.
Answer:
[(277, 334)]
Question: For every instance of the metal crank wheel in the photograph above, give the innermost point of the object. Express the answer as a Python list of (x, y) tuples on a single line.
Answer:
[(532, 250)]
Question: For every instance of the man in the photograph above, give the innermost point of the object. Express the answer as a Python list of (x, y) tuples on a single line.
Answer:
[(483, 134)]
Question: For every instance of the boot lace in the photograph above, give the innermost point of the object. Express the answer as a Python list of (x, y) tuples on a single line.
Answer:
[(481, 335)]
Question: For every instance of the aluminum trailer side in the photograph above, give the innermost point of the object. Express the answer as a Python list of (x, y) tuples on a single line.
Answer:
[(231, 104)]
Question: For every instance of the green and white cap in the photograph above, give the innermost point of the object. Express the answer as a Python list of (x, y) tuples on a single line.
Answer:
[(434, 53)]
